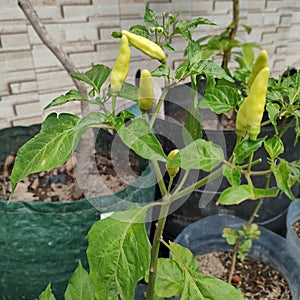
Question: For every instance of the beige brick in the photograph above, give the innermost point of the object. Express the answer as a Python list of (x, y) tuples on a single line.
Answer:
[(255, 19), (108, 51), (11, 26), (78, 46), (202, 6), (11, 13), (6, 110), (86, 59), (55, 79), (17, 41), (281, 50), (275, 5), (82, 12), (79, 32), (28, 121), (43, 57), (222, 6), (255, 5), (11, 100), (137, 12), (286, 19), (105, 21), (4, 123), (23, 87), (13, 77), (105, 33), (28, 109), (18, 60), (51, 12), (271, 19)]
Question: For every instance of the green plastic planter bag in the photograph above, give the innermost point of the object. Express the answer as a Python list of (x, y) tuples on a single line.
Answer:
[(41, 242)]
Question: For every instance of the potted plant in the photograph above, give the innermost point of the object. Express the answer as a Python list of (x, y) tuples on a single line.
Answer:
[(119, 253)]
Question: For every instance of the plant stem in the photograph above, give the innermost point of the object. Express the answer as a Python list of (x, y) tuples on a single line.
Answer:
[(159, 104), (156, 245), (113, 104), (197, 184), (249, 223), (232, 33)]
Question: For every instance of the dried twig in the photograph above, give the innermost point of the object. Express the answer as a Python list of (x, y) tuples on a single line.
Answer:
[(40, 29)]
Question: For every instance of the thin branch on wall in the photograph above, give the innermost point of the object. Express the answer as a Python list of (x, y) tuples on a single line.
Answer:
[(40, 29), (233, 31)]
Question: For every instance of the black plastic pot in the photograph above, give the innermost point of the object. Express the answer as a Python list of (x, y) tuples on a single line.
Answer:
[(206, 236), (292, 239), (201, 202), (42, 242)]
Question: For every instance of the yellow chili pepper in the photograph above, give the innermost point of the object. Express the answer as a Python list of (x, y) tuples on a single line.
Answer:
[(260, 63), (256, 101), (121, 68), (146, 91), (172, 171), (146, 46)]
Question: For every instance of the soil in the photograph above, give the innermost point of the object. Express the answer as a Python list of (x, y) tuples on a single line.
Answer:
[(296, 228), (254, 279), (59, 184)]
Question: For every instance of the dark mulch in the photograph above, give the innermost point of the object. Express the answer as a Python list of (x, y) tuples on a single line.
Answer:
[(60, 184), (254, 279), (296, 228)]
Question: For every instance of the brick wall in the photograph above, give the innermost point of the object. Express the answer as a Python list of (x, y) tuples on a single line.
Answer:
[(31, 76)]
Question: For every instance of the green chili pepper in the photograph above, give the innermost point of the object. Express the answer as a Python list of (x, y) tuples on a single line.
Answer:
[(146, 91), (121, 68), (146, 46), (260, 63), (172, 171)]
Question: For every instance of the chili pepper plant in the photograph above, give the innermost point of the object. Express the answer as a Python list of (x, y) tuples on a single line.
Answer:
[(120, 253)]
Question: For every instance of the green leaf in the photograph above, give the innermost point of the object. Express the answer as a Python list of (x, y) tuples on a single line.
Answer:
[(182, 27), (72, 95), (129, 91), (220, 99), (248, 54), (47, 294), (80, 286), (210, 68), (245, 148), (93, 119), (200, 154), (116, 34), (95, 77), (233, 175), (168, 47), (230, 235), (140, 30), (274, 146), (169, 277), (162, 70), (182, 70), (50, 148), (118, 254), (183, 255), (192, 129), (181, 276), (138, 137), (150, 16), (273, 110), (194, 52), (282, 176), (238, 194)]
